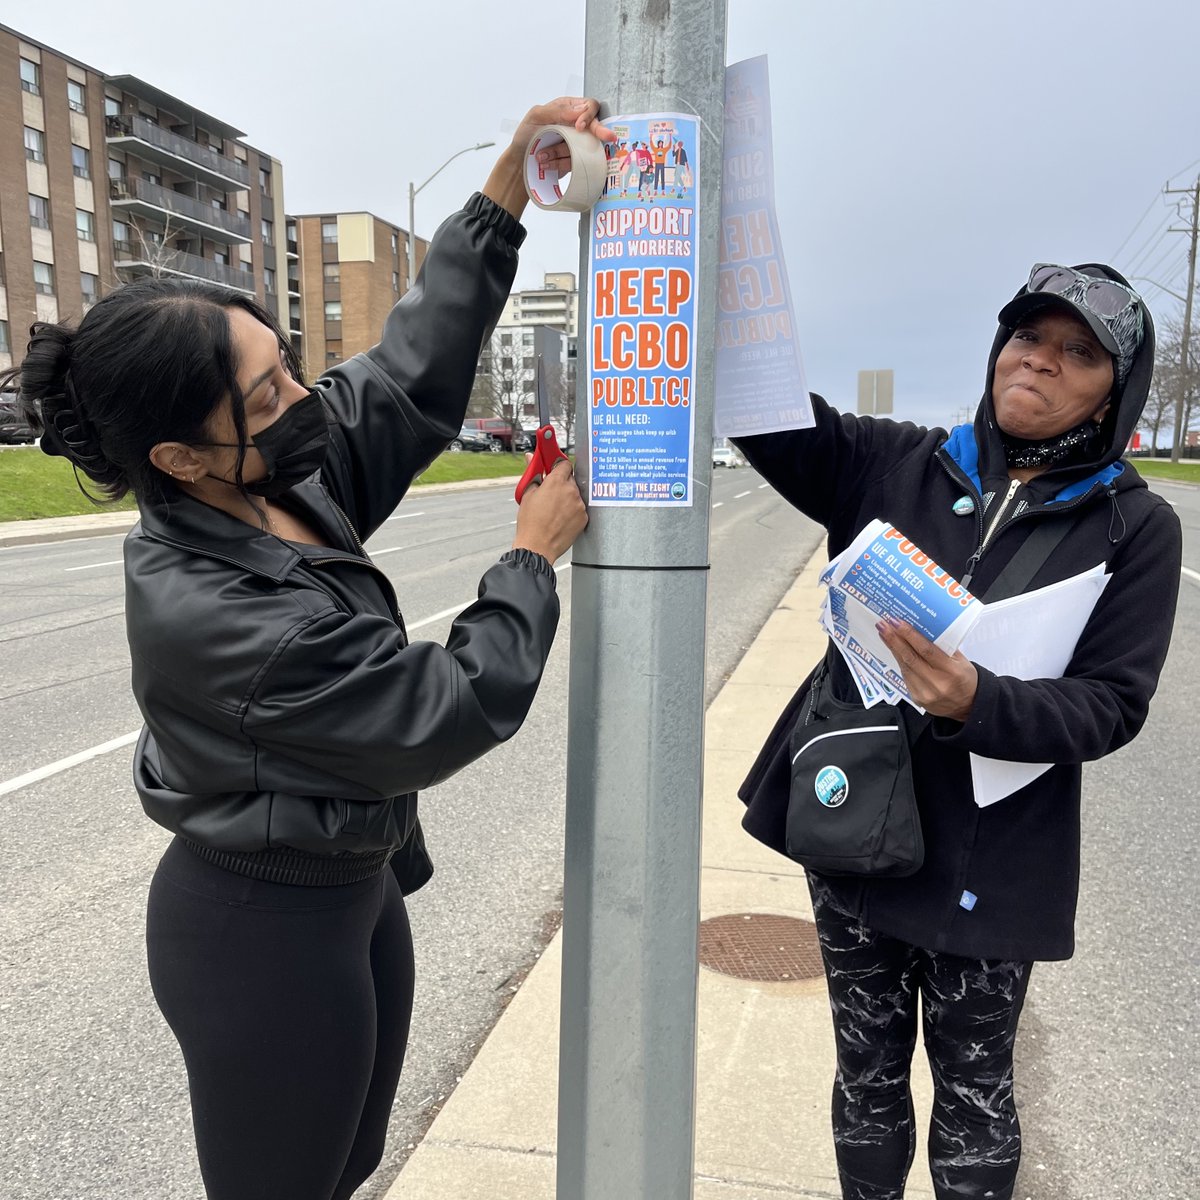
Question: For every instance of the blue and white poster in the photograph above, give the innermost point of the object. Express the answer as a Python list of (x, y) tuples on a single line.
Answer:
[(642, 315), (760, 384)]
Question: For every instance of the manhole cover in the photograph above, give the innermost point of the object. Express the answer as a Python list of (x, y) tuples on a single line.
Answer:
[(764, 947)]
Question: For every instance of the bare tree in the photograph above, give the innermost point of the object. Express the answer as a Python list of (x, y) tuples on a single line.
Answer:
[(1160, 405), (560, 391), (1172, 378), (152, 247), (497, 390)]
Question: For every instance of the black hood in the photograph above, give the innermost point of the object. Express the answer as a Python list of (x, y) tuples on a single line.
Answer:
[(1125, 411)]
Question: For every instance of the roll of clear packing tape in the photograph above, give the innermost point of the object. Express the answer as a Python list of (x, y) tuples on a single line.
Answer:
[(584, 184)]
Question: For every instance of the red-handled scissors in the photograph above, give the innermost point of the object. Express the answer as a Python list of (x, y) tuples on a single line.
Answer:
[(545, 447)]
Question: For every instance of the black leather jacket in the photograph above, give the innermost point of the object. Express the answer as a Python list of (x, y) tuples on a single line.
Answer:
[(289, 721)]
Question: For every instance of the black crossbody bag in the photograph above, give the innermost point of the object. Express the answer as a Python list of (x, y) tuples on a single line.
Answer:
[(852, 809)]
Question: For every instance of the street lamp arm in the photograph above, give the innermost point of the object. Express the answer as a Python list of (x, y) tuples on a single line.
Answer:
[(1144, 279), (465, 150), (412, 203)]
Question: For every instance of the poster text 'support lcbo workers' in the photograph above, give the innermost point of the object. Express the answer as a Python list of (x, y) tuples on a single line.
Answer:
[(642, 315)]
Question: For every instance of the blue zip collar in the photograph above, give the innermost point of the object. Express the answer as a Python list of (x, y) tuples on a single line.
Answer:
[(961, 447)]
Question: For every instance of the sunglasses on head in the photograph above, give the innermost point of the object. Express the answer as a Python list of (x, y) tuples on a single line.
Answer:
[(1105, 297)]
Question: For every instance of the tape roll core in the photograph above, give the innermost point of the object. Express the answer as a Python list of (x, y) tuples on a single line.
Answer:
[(585, 183)]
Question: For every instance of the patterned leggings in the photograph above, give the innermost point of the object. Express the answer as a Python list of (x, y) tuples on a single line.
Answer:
[(970, 1008)]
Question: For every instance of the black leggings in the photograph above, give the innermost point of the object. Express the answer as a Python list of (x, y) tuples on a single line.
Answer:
[(291, 1005), (970, 1008)]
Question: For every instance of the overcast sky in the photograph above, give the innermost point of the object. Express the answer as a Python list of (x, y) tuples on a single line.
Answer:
[(927, 152)]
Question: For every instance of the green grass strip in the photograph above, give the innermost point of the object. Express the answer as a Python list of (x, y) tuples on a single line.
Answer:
[(34, 485), (1182, 472)]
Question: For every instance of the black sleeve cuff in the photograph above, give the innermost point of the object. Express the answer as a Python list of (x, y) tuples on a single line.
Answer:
[(492, 216), (534, 561)]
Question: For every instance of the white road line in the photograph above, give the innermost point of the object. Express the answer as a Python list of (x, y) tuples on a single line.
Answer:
[(438, 541), (65, 764), (114, 562), (404, 516), (63, 541), (718, 504), (74, 760), (763, 485), (740, 495), (453, 612), (1190, 573)]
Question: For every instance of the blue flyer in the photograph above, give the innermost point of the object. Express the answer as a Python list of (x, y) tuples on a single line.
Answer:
[(641, 324)]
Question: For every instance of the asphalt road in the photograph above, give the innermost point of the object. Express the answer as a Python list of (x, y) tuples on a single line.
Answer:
[(92, 1092), (93, 1100)]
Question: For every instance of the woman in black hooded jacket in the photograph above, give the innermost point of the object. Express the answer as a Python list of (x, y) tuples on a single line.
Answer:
[(1067, 378)]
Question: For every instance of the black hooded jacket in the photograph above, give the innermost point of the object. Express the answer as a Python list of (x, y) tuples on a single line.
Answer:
[(1020, 856), (289, 720)]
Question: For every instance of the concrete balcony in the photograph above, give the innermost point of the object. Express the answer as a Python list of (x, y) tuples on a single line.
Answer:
[(176, 210), (147, 141), (178, 264)]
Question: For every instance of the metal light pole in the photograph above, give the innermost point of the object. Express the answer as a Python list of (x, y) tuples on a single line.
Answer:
[(627, 1067), (412, 197)]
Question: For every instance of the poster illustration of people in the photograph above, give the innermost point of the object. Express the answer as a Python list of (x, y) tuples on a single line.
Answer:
[(642, 315)]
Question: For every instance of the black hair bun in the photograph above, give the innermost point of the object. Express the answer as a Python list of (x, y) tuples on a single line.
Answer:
[(50, 405)]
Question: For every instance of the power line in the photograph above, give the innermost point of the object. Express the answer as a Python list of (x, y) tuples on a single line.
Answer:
[(1183, 169), (1170, 273), (1129, 235), (1153, 270), (1150, 244)]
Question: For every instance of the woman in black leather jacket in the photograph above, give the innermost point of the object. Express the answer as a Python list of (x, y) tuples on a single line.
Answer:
[(288, 722)]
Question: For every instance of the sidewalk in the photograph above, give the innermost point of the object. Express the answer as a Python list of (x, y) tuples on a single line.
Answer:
[(766, 1056), (100, 524)]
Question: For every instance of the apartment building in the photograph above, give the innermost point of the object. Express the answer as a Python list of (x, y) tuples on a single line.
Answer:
[(345, 271), (555, 304), (506, 378), (105, 178)]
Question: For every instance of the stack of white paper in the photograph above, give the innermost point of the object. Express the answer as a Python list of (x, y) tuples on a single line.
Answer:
[(1032, 636)]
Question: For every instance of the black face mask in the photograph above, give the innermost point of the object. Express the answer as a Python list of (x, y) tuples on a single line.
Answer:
[(293, 447)]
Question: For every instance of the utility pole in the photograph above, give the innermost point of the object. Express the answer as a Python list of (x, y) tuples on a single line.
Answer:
[(1184, 371), (627, 1067)]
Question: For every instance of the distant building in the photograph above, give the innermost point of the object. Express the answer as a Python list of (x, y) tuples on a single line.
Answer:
[(107, 178), (555, 304), (345, 271), (535, 321)]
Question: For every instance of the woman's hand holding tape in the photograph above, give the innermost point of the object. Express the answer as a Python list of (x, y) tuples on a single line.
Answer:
[(577, 114)]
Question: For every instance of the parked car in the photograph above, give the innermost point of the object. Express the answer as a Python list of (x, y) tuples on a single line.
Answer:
[(13, 429), (723, 456), (474, 441), (500, 431)]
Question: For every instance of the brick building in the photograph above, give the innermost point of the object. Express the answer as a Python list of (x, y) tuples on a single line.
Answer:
[(345, 271), (104, 178)]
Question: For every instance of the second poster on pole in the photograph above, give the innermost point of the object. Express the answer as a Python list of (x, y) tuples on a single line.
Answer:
[(642, 315)]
